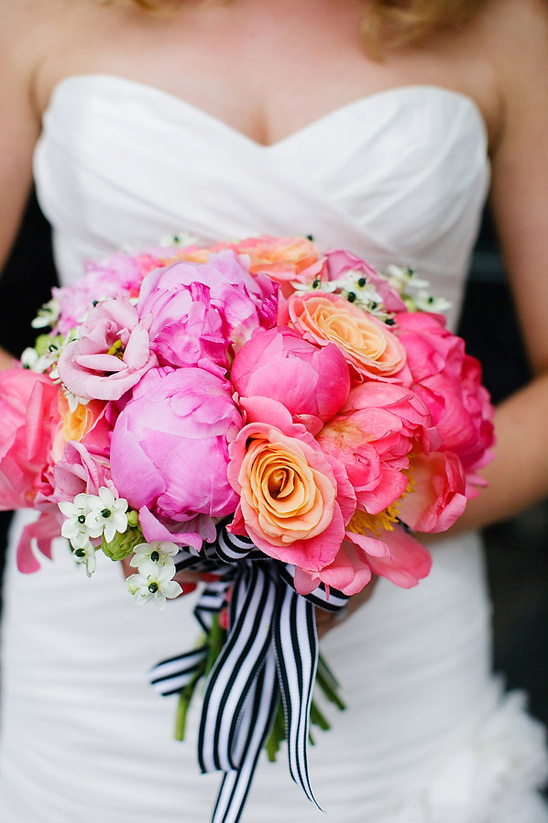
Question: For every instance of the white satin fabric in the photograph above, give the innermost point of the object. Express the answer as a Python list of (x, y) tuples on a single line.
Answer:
[(400, 177)]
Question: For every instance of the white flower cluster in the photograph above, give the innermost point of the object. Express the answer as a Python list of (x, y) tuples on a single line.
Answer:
[(90, 517), (155, 571), (402, 279)]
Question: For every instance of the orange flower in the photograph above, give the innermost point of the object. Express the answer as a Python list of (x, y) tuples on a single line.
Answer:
[(367, 344)]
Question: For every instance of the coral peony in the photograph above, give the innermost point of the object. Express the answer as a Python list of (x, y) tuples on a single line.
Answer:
[(279, 364), (373, 435)]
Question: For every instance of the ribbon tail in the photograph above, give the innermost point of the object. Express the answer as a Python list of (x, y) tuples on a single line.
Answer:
[(236, 784), (297, 657), (253, 604)]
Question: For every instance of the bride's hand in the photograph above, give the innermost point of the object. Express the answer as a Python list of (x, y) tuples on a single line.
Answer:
[(325, 621)]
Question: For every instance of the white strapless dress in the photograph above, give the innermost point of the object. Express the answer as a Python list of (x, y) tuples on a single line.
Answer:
[(428, 737)]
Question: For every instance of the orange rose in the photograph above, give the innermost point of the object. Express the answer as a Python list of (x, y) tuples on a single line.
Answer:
[(367, 344)]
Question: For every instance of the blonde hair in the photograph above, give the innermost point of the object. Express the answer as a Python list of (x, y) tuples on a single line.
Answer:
[(386, 23)]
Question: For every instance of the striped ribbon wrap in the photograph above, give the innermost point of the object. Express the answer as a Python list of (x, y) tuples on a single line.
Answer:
[(271, 650)]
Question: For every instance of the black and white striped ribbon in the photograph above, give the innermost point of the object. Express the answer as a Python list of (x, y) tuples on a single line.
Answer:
[(271, 649)]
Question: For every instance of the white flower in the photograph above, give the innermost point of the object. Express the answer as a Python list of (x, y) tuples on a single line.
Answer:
[(48, 315), (74, 528), (182, 238), (86, 555), (159, 551), (154, 582), (400, 277), (106, 515), (424, 301)]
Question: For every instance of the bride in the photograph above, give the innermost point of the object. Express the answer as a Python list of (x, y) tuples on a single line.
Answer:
[(375, 126)]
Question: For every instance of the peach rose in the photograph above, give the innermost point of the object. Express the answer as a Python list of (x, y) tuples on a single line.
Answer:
[(295, 500), (369, 347)]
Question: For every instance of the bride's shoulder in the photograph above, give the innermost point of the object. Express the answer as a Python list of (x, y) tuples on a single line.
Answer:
[(27, 27)]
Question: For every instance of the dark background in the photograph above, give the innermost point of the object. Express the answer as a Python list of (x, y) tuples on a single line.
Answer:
[(516, 549)]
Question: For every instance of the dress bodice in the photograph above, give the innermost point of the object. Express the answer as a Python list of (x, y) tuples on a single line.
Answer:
[(397, 177)]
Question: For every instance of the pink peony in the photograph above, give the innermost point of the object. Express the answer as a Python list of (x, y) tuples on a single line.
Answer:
[(30, 416), (111, 354), (306, 379), (449, 382), (169, 453), (295, 501), (438, 497), (244, 303), (373, 435), (369, 347)]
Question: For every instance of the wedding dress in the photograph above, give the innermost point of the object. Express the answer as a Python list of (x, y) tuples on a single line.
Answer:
[(428, 736)]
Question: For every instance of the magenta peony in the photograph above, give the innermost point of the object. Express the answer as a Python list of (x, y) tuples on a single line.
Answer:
[(169, 453)]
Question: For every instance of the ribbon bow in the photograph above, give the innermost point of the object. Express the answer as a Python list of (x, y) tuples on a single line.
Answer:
[(271, 649)]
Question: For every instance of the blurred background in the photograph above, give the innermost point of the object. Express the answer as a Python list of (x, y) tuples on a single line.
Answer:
[(517, 553)]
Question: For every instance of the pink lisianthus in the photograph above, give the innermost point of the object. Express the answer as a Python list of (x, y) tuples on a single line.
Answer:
[(339, 263), (243, 302), (169, 453), (30, 416), (379, 426), (368, 346), (449, 382), (295, 501), (111, 354), (307, 380)]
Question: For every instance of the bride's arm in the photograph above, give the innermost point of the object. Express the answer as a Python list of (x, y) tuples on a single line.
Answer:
[(19, 122), (518, 477)]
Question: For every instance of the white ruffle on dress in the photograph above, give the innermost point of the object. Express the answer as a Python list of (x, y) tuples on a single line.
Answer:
[(428, 737)]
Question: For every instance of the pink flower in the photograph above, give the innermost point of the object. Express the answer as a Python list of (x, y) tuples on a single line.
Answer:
[(185, 329), (373, 435), (80, 470), (395, 555), (339, 263), (29, 414), (449, 382), (169, 453), (438, 497), (295, 501), (243, 302), (111, 355), (306, 379), (283, 259), (368, 345)]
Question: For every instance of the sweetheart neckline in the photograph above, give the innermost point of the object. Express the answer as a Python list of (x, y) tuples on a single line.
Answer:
[(313, 125)]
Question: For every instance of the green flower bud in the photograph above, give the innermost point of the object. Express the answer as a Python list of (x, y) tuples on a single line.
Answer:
[(123, 544)]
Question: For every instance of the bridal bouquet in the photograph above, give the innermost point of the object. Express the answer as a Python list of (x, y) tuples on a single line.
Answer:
[(281, 417)]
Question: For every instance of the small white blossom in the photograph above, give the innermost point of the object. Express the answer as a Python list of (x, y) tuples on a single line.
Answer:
[(106, 515), (74, 527), (154, 582), (159, 551), (424, 301), (86, 555), (48, 315), (401, 277)]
